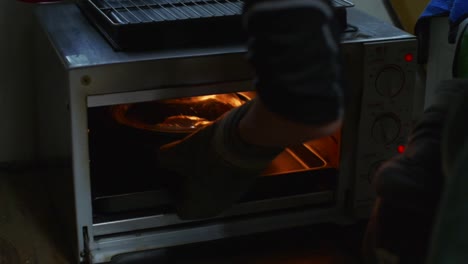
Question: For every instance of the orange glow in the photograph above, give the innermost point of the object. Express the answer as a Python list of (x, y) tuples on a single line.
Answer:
[(229, 99), (313, 155), (185, 115), (181, 115)]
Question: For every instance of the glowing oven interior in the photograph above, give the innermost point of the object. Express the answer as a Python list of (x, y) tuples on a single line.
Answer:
[(123, 143)]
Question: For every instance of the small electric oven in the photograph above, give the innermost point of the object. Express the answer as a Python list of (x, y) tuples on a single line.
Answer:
[(102, 114)]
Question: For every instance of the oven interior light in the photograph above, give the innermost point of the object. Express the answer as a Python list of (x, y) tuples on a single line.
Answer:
[(401, 148), (409, 57)]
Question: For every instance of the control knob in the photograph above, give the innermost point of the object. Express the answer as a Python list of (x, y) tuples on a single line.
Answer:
[(390, 81), (386, 128)]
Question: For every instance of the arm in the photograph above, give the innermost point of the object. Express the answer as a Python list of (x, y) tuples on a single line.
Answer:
[(409, 186), (293, 47), (259, 121)]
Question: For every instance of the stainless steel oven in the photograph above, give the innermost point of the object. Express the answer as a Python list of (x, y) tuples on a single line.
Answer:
[(97, 109)]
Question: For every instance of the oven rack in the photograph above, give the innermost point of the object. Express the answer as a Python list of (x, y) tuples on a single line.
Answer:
[(149, 24)]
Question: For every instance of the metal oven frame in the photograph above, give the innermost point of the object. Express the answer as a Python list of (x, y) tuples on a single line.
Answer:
[(77, 69)]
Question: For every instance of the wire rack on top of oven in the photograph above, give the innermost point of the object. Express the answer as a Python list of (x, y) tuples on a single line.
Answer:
[(342, 3), (146, 11), (138, 24)]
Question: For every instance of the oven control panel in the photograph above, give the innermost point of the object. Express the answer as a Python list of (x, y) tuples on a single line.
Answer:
[(386, 116)]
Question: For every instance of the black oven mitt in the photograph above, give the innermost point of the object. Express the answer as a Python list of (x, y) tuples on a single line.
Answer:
[(409, 186), (294, 47), (214, 167)]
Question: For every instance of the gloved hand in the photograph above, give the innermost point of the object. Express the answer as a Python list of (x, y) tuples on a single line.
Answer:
[(293, 47), (214, 166), (409, 187)]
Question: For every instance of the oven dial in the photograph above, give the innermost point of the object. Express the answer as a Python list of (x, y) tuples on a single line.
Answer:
[(390, 81), (386, 128)]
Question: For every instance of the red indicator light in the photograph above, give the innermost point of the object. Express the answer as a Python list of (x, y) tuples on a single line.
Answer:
[(409, 57), (401, 149)]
